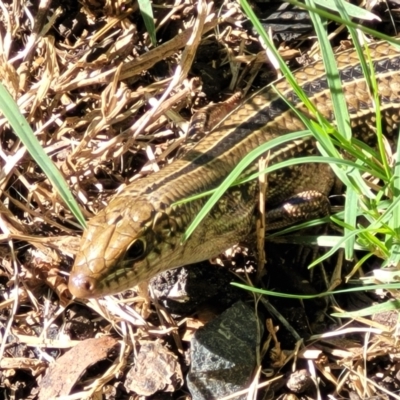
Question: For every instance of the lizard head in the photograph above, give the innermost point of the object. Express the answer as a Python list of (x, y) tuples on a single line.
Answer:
[(136, 237), (121, 247)]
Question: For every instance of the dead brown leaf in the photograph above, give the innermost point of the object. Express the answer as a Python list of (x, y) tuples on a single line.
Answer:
[(63, 375)]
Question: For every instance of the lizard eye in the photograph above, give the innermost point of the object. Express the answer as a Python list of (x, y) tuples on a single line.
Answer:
[(136, 250)]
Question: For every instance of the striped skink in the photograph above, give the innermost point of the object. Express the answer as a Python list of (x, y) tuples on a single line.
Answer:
[(138, 235)]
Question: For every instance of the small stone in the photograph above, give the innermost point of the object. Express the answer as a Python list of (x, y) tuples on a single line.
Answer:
[(223, 354)]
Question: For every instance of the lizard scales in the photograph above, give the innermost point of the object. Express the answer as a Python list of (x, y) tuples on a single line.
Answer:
[(138, 234)]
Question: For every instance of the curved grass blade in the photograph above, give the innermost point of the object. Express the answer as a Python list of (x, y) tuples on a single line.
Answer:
[(351, 9), (389, 286), (21, 127), (234, 175), (351, 24)]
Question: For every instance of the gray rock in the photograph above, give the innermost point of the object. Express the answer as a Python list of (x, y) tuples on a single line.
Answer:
[(223, 354)]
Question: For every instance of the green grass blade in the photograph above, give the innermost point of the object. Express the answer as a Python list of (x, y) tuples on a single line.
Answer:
[(351, 10), (350, 218), (282, 65), (11, 112), (375, 309), (342, 119), (147, 14), (288, 163), (350, 23), (394, 222), (234, 175), (390, 286), (339, 104)]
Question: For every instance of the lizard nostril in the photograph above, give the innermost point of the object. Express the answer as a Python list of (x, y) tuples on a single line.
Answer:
[(82, 286)]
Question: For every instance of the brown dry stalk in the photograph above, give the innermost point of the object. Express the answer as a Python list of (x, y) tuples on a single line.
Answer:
[(135, 67)]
